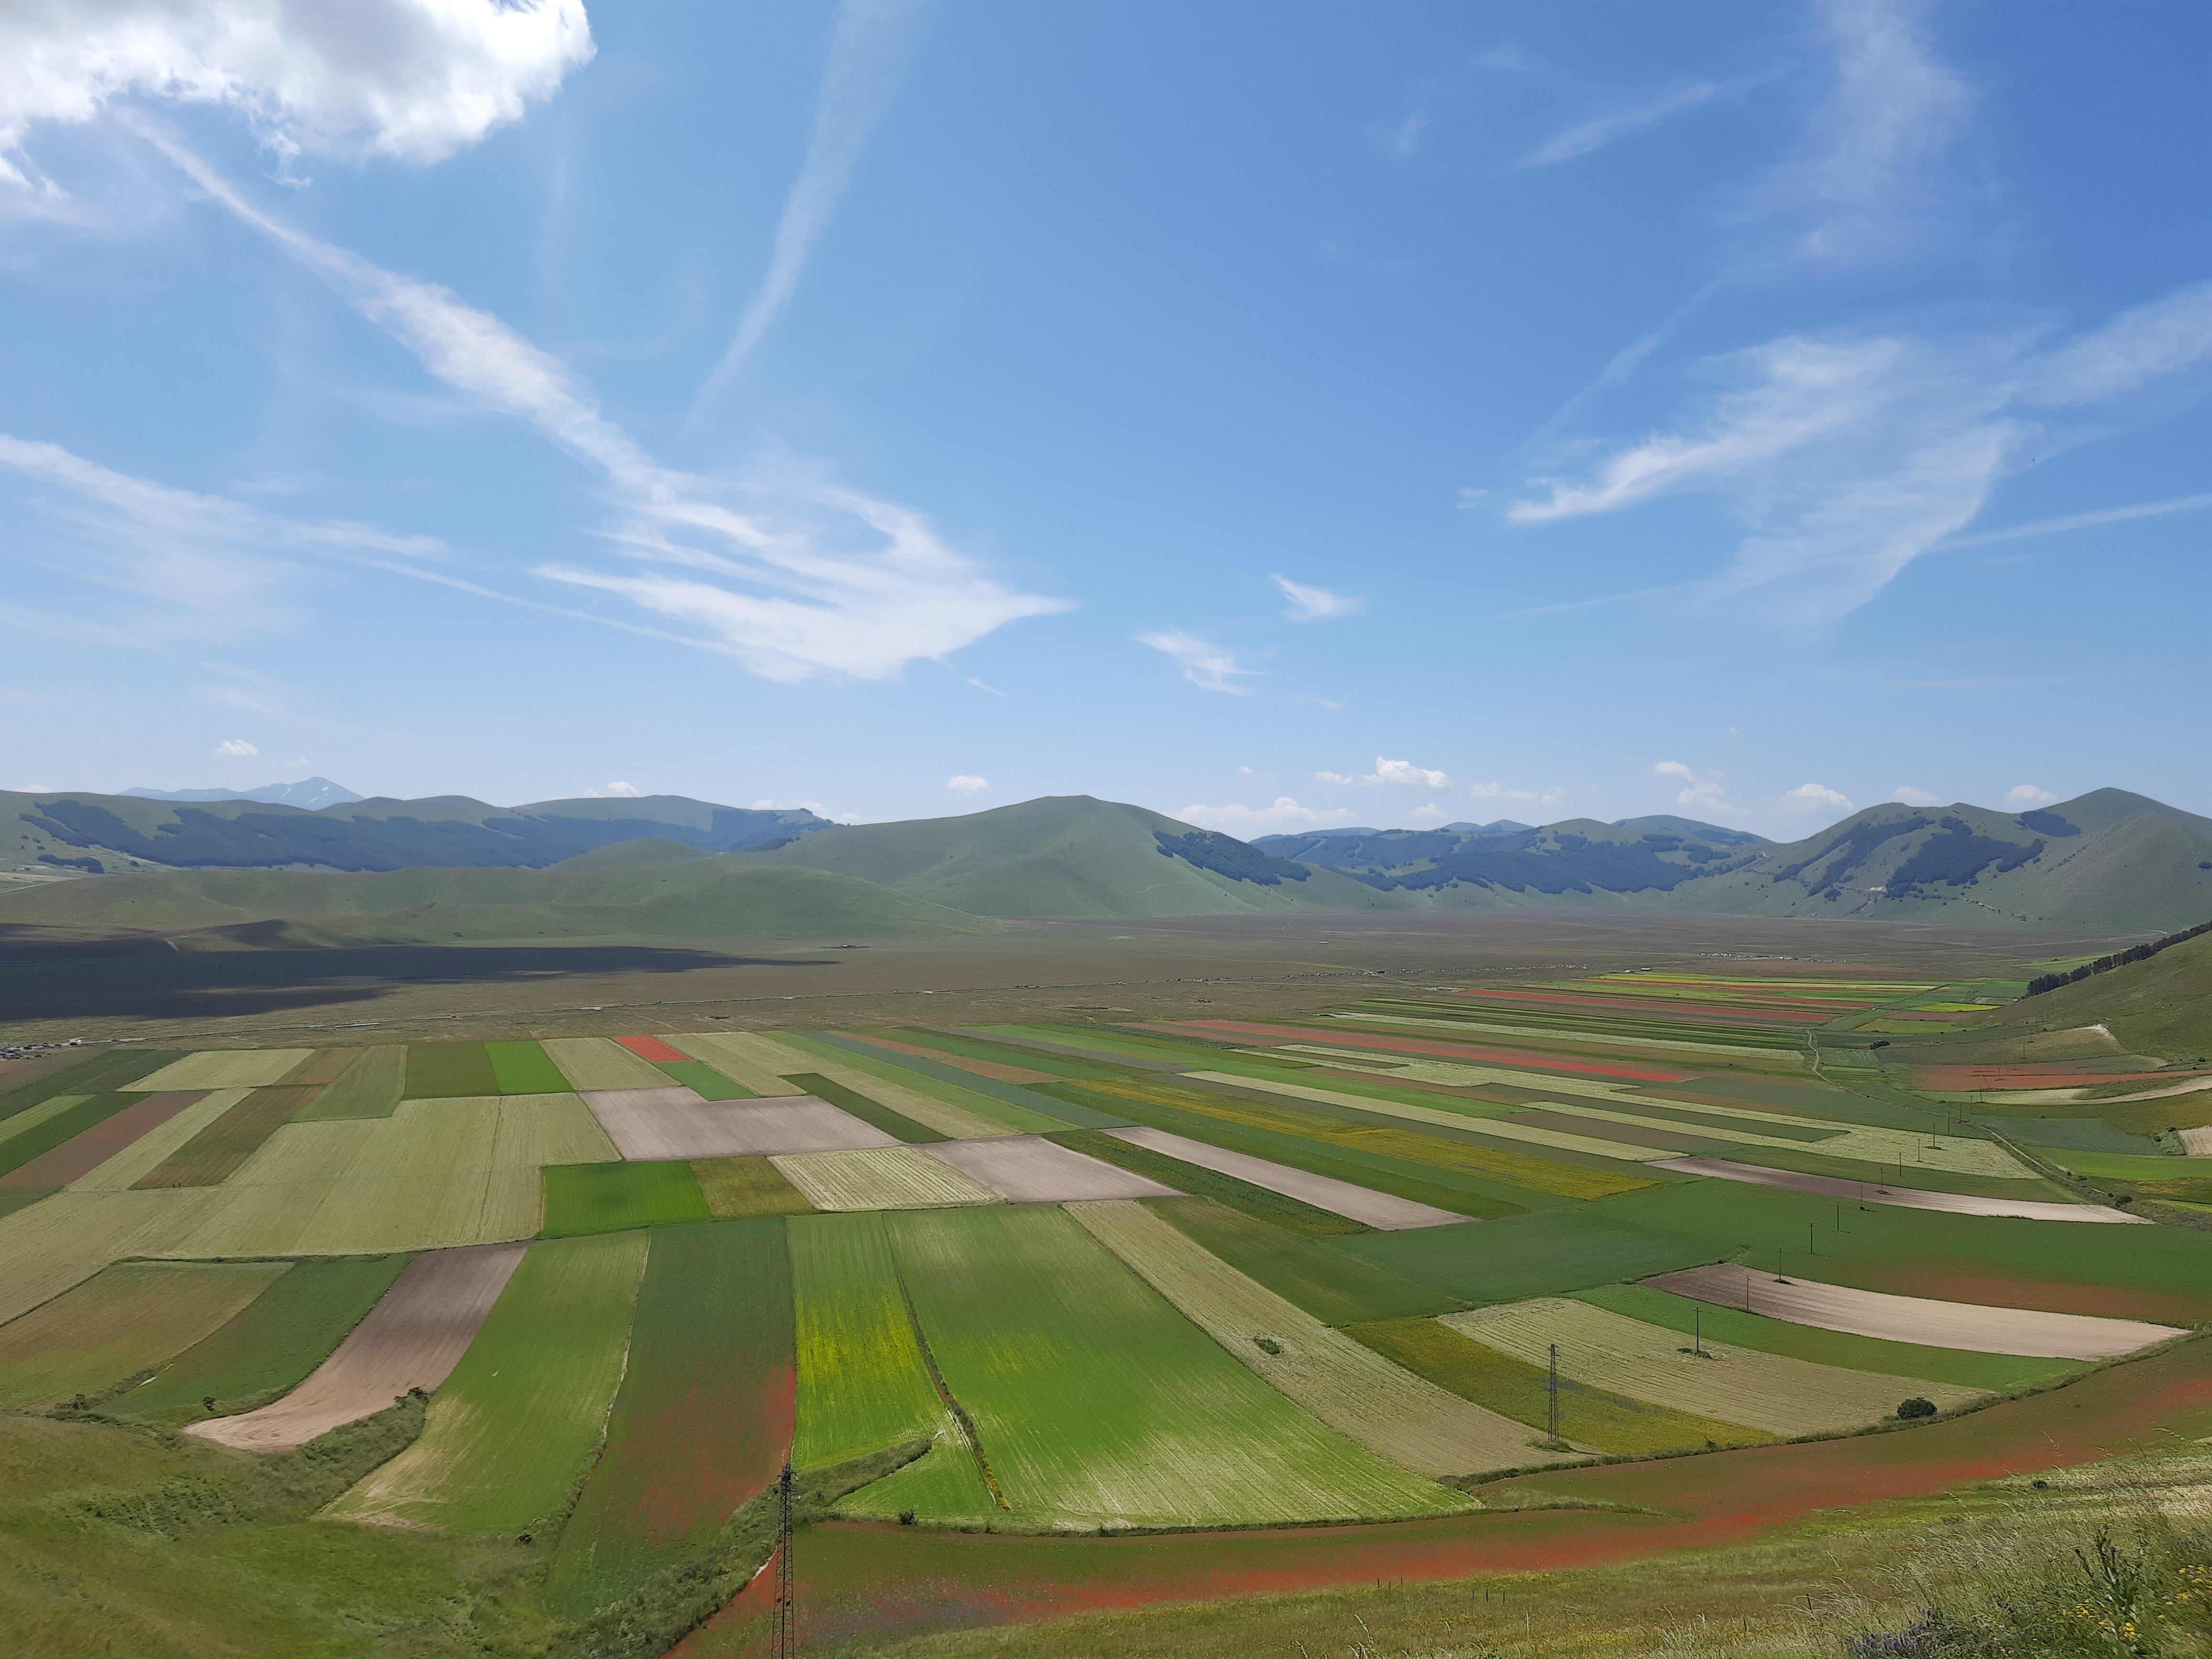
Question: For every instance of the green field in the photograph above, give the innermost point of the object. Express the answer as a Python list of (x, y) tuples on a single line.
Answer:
[(450, 1071), (1334, 1288), (1589, 1416), (95, 1074), (703, 1080), (131, 1318), (1283, 1213), (522, 1414), (738, 1186), (270, 1344), (54, 1129), (524, 1068), (703, 1419), (1537, 1255), (605, 1198), (220, 1150), (371, 1087), (1096, 1401), (896, 1125)]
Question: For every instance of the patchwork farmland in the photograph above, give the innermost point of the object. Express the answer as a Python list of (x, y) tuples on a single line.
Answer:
[(1372, 1265)]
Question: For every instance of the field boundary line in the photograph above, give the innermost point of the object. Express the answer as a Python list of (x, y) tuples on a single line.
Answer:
[(968, 1429)]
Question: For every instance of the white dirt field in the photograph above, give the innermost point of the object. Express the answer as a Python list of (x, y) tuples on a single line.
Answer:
[(411, 1338), (1031, 1169), (1382, 1211), (1902, 1198), (1919, 1319), (674, 1122)]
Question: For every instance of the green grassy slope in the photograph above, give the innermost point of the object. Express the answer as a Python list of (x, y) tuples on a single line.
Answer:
[(2162, 1007), (1061, 855)]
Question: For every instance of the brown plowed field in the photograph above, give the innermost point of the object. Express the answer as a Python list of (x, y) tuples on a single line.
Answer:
[(413, 1339), (81, 1154)]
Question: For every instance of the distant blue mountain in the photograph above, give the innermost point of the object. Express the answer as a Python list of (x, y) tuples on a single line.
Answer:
[(309, 794)]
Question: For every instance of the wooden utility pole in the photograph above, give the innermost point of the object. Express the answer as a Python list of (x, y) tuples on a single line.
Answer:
[(787, 1623)]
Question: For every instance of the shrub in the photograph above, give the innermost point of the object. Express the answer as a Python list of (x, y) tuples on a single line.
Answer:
[(1916, 1406)]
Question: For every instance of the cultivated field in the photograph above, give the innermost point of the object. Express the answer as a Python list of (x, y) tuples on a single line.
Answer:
[(891, 1178)]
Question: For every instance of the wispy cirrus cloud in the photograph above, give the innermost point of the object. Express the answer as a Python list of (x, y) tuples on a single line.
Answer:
[(1311, 604), (792, 574), (1602, 129), (1204, 663), (869, 51)]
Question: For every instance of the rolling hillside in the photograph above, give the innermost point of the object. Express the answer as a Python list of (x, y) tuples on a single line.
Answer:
[(1074, 855), (651, 890), (2160, 1007), (104, 834)]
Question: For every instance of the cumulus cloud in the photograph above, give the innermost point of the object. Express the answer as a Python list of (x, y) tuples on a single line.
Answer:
[(1403, 772), (1702, 791), (235, 749), (1283, 814), (967, 784), (1308, 604), (1912, 796), (1815, 797), (790, 573), (615, 791), (412, 80), (1204, 663), (2029, 795), (1531, 797), (1431, 813)]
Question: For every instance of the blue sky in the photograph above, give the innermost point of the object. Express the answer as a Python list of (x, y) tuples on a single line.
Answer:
[(1279, 417)]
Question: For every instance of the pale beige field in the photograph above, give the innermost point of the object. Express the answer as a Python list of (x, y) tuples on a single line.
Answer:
[(1382, 1211), (1031, 1169), (742, 1058), (1904, 1198), (602, 1063), (223, 1068), (886, 1178)]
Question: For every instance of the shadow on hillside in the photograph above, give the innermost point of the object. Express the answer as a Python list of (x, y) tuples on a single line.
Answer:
[(51, 978)]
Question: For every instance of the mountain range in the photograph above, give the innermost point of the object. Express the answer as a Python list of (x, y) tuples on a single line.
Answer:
[(449, 867), (310, 793)]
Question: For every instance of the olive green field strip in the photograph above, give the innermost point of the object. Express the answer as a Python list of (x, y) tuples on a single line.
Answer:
[(1380, 1211), (225, 1068), (606, 1198), (739, 1056), (411, 1338), (864, 1382), (702, 1080), (1281, 1213), (591, 1063), (900, 1128), (435, 1173), (1478, 1030), (1919, 1319), (1334, 1287), (1902, 1198), (109, 1072), (1352, 1388), (271, 1345), (880, 1178), (972, 1084), (449, 1071), (524, 1067), (32, 1116), (736, 1188), (1031, 1170), (521, 1416), (371, 1084), (1727, 1323), (127, 1165), (1536, 1255), (122, 1321), (702, 1421), (1766, 1391), (66, 1238), (673, 1123), (1865, 1146), (1592, 1418), (71, 1144), (220, 1150), (1095, 1401), (954, 1112)]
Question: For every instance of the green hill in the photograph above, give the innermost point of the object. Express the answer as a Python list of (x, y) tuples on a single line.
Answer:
[(2161, 1006), (658, 897), (1074, 855)]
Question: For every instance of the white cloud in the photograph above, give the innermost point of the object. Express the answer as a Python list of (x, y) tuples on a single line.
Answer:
[(1204, 663), (813, 806), (1404, 773), (2079, 521), (1283, 814), (789, 574), (1602, 131), (1912, 796), (614, 791), (2169, 334), (1554, 797), (1701, 791), (1315, 604), (979, 686), (967, 784), (235, 749), (2028, 794), (868, 56), (1815, 797), (1431, 813), (413, 80)]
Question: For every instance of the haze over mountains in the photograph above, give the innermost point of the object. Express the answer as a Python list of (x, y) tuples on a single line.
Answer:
[(666, 866)]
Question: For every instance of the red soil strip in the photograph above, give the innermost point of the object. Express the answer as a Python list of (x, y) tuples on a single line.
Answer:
[(1519, 1059), (990, 1068), (1961, 1279), (652, 1048), (855, 1581), (83, 1152)]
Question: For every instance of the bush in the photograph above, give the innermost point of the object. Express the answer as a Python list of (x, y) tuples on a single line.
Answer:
[(1916, 1406)]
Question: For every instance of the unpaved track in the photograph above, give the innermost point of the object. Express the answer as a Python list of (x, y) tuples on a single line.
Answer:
[(1378, 1210), (413, 1339), (675, 1123), (1902, 1198), (1919, 1319), (1031, 1169)]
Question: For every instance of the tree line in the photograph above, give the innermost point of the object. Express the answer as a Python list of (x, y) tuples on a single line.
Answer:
[(2043, 982)]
